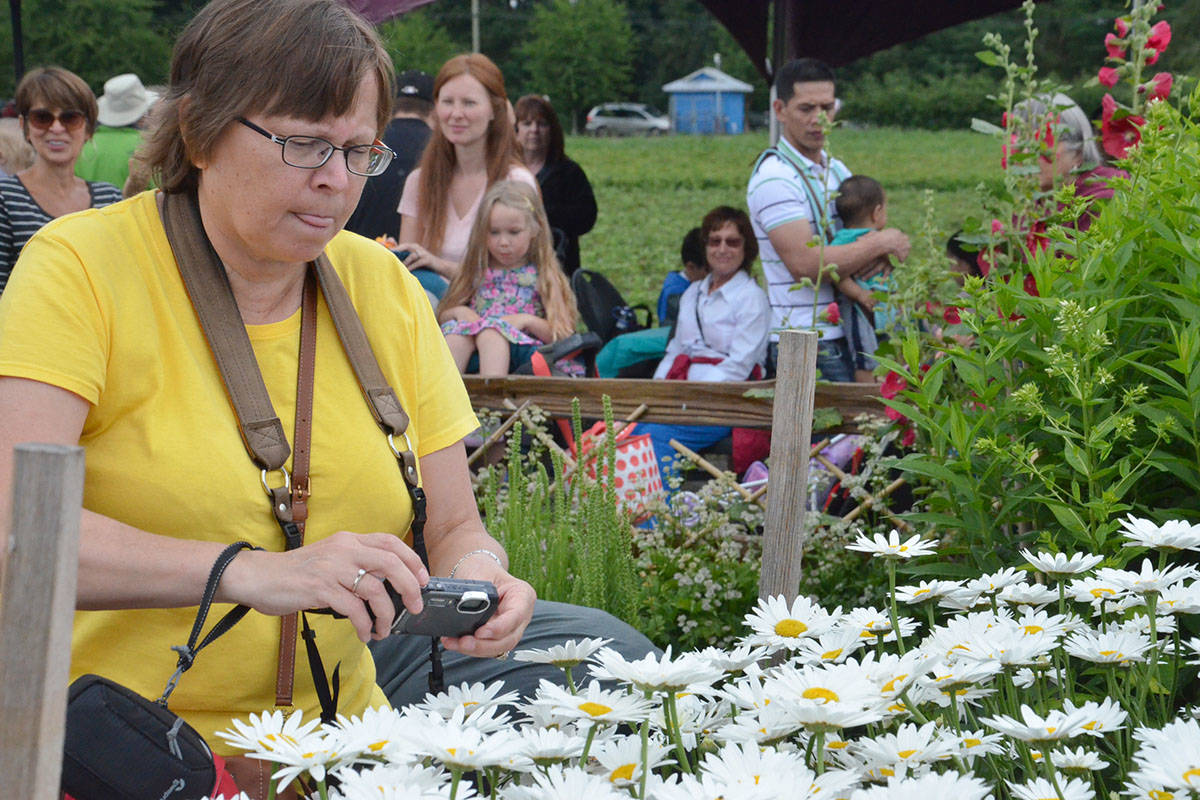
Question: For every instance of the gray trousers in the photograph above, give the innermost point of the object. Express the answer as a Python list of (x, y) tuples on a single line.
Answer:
[(402, 662)]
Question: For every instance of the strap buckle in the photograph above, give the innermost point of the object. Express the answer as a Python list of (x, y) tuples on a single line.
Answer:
[(287, 480), (406, 458)]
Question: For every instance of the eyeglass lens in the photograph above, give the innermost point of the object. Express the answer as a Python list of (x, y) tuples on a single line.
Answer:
[(308, 152), (43, 118), (730, 241)]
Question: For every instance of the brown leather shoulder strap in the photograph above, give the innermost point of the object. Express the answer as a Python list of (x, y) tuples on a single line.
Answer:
[(384, 403), (212, 297)]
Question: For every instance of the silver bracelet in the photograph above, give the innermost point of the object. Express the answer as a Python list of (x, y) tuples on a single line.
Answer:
[(480, 552)]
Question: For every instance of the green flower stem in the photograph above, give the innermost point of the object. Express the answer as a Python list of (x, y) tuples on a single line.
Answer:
[(455, 777), (954, 713), (567, 671), (820, 766), (645, 735), (892, 611), (912, 709), (322, 791), (671, 712), (587, 744), (1050, 773), (271, 781)]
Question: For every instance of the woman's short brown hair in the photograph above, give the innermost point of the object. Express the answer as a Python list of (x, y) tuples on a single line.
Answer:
[(534, 107), (717, 218), (55, 87), (236, 58)]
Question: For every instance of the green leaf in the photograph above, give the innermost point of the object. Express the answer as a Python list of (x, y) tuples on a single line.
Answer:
[(982, 126)]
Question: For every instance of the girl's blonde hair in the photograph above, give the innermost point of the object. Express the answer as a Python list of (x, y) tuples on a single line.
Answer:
[(552, 286)]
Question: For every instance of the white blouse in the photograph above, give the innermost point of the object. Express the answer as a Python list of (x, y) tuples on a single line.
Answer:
[(731, 323)]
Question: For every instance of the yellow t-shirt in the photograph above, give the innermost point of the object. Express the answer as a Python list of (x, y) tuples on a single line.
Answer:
[(96, 306)]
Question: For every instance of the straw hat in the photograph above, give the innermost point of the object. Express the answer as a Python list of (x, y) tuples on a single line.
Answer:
[(125, 101)]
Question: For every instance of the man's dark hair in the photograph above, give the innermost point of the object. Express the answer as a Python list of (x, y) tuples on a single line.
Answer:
[(692, 249), (857, 197), (413, 105), (801, 70)]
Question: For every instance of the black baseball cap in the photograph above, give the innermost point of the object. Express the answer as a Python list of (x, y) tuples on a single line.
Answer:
[(416, 84)]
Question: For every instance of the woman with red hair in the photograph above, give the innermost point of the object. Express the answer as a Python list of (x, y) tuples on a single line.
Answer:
[(472, 147)]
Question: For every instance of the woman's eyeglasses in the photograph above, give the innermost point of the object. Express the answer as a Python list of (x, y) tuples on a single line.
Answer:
[(311, 152), (43, 118), (730, 241)]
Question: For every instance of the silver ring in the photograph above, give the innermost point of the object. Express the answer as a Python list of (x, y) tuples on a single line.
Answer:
[(357, 578)]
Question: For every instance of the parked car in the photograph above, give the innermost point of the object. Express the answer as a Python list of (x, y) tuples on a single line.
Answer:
[(625, 119)]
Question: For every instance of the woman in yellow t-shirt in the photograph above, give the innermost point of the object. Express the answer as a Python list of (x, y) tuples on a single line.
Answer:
[(270, 124)]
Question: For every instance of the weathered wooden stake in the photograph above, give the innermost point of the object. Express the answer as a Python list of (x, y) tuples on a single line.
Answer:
[(785, 531), (37, 608)]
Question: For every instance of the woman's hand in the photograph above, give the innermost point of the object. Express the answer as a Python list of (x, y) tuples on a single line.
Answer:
[(420, 257), (503, 631), (325, 574), (458, 314)]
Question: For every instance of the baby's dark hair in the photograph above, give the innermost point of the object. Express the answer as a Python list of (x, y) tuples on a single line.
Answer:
[(857, 197), (692, 250)]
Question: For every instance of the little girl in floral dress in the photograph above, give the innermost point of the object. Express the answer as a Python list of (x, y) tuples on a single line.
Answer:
[(511, 295)]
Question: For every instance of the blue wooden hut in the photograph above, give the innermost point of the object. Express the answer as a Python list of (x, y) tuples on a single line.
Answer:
[(708, 101)]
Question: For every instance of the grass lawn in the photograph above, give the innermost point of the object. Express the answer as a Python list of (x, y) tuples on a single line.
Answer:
[(652, 190)]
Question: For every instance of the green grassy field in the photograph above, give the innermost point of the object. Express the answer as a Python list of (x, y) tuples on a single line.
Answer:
[(652, 190)]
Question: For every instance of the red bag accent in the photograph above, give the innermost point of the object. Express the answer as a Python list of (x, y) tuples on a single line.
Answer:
[(679, 367)]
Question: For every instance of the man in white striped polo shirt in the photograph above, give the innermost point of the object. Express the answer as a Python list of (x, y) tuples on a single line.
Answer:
[(790, 197)]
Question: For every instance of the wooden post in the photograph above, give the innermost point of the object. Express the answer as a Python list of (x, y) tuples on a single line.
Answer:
[(784, 532), (37, 609)]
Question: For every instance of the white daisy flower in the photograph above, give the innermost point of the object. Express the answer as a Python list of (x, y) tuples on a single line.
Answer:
[(653, 673), (961, 673), (925, 591), (569, 654), (870, 623), (1099, 718), (379, 735), (1113, 646), (1028, 594), (469, 697), (1032, 622), (456, 743), (312, 755), (395, 782), (827, 697), (593, 704), (963, 599), (776, 624), (1059, 565), (566, 783), (1182, 598), (892, 547), (972, 744), (895, 673), (1077, 762), (545, 746), (734, 661), (939, 785), (697, 716), (907, 747), (1164, 625), (835, 646), (1040, 788), (995, 582), (1169, 757), (1147, 579), (1055, 726), (1139, 789), (1094, 590), (1172, 535), (620, 759), (745, 766), (773, 722), (749, 692), (262, 732)]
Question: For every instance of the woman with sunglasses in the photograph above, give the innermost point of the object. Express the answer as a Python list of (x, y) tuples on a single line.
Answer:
[(57, 112)]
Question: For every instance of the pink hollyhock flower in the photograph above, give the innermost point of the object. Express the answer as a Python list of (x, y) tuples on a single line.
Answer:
[(894, 415), (1160, 36), (1122, 26), (952, 316), (1118, 132), (1035, 239), (1004, 150), (1160, 86), (1115, 46), (1107, 77), (997, 227), (981, 261), (831, 314), (910, 436), (893, 384)]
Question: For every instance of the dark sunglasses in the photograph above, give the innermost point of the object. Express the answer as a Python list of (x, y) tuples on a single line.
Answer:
[(730, 241), (43, 118)]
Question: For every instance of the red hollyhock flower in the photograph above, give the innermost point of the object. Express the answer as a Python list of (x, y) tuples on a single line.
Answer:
[(910, 436), (831, 314), (952, 316), (981, 261), (997, 227), (1160, 37), (1122, 26), (1036, 239), (1115, 46), (1160, 86), (1004, 150), (1118, 132), (1108, 77), (1030, 285), (894, 415), (892, 385)]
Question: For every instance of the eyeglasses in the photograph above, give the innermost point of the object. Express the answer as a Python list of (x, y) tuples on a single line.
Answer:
[(43, 118), (311, 152), (730, 241)]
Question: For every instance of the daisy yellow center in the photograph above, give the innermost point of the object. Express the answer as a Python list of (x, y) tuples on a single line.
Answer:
[(1111, 653), (594, 709), (790, 628), (819, 693), (890, 686), (1030, 630), (1190, 775), (903, 548), (622, 773), (920, 592), (1094, 725), (830, 655), (887, 773), (972, 742), (1156, 794), (1051, 730), (897, 708), (1101, 592), (839, 745), (280, 737), (906, 753), (375, 747)]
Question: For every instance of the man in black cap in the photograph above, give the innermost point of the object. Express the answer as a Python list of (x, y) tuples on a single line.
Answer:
[(406, 134)]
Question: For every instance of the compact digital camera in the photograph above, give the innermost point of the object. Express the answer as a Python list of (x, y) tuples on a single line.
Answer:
[(453, 607)]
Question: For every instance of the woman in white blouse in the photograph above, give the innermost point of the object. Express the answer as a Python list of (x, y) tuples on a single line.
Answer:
[(721, 335)]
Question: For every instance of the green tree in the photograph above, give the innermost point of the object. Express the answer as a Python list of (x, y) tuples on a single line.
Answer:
[(579, 54), (417, 41), (96, 39)]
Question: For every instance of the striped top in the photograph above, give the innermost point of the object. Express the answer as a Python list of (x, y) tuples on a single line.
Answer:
[(777, 194), (21, 217)]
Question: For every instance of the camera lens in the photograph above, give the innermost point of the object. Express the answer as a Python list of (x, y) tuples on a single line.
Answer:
[(473, 603)]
